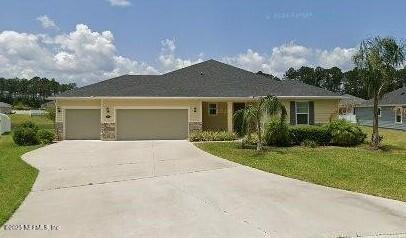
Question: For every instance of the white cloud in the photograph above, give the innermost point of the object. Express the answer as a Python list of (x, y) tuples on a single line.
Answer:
[(168, 59), (46, 22), (82, 56), (85, 56), (292, 55), (120, 3)]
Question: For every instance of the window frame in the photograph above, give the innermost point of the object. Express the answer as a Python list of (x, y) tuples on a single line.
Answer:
[(401, 115), (302, 113), (208, 109)]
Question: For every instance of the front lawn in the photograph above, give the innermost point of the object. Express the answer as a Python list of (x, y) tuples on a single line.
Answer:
[(359, 169), (16, 176), (41, 121)]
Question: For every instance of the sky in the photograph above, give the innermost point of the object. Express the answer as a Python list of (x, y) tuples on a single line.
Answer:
[(91, 40)]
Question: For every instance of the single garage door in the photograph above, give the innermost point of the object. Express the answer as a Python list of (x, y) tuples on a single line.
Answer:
[(82, 124), (152, 124)]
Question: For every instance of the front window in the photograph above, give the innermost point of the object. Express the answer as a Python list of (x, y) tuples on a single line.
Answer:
[(212, 109), (302, 113), (398, 115)]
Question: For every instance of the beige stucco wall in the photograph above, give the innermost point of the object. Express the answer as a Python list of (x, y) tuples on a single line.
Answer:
[(70, 103), (194, 115), (198, 110), (324, 109), (215, 122), (194, 106)]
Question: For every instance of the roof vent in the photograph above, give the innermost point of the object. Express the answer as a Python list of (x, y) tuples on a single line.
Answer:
[(201, 73)]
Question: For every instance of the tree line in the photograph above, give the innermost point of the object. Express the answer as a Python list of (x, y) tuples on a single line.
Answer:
[(30, 92), (334, 79), (33, 92)]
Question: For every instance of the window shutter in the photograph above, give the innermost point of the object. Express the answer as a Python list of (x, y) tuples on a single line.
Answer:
[(292, 113), (311, 113)]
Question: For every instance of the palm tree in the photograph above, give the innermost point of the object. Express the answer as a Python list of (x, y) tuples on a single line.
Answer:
[(377, 59), (251, 117)]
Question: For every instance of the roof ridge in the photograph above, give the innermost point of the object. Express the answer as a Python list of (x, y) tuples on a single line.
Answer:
[(186, 67)]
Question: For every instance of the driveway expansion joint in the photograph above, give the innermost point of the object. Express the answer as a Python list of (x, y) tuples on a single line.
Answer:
[(127, 180)]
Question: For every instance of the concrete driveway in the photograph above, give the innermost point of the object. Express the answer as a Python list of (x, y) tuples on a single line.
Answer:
[(173, 189)]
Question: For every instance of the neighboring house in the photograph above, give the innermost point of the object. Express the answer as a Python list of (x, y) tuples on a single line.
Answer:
[(5, 108), (392, 111), (47, 105), (203, 96), (346, 107)]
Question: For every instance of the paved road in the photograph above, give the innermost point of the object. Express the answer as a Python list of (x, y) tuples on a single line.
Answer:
[(172, 189)]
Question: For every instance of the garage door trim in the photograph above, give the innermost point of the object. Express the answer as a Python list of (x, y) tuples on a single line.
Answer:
[(153, 107), (64, 108)]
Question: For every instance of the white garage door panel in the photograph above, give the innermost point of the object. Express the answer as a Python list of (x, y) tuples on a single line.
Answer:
[(152, 124), (82, 124)]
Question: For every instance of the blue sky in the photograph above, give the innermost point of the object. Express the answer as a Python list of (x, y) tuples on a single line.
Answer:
[(232, 31)]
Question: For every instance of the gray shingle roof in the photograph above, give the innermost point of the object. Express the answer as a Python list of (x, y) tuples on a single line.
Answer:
[(207, 79), (351, 100), (397, 97)]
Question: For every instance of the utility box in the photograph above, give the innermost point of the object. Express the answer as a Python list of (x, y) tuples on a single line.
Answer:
[(5, 123)]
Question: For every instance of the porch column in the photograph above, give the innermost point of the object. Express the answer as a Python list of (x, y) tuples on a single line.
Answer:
[(230, 116)]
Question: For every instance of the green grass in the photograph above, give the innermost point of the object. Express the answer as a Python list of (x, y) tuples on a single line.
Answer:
[(16, 176), (41, 121), (360, 169)]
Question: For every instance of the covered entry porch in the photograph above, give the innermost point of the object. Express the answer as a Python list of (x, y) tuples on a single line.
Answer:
[(218, 116)]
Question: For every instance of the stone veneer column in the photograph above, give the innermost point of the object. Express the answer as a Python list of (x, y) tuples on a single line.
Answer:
[(195, 126), (59, 130), (108, 131)]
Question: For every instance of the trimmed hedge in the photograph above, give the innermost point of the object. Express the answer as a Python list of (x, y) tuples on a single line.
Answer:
[(29, 133), (45, 136), (25, 136), (344, 133), (339, 133), (319, 134), (29, 124), (212, 136)]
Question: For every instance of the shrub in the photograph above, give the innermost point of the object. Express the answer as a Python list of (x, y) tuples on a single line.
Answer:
[(310, 143), (250, 140), (45, 136), (212, 136), (344, 133), (29, 124), (277, 133), (25, 136), (319, 134)]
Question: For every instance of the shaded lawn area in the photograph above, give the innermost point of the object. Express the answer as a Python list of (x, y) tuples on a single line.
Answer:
[(16, 176), (359, 169)]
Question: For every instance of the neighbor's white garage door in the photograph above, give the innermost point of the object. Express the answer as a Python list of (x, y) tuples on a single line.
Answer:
[(82, 124), (152, 124)]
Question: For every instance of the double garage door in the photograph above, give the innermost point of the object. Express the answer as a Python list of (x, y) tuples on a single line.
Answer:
[(131, 124)]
